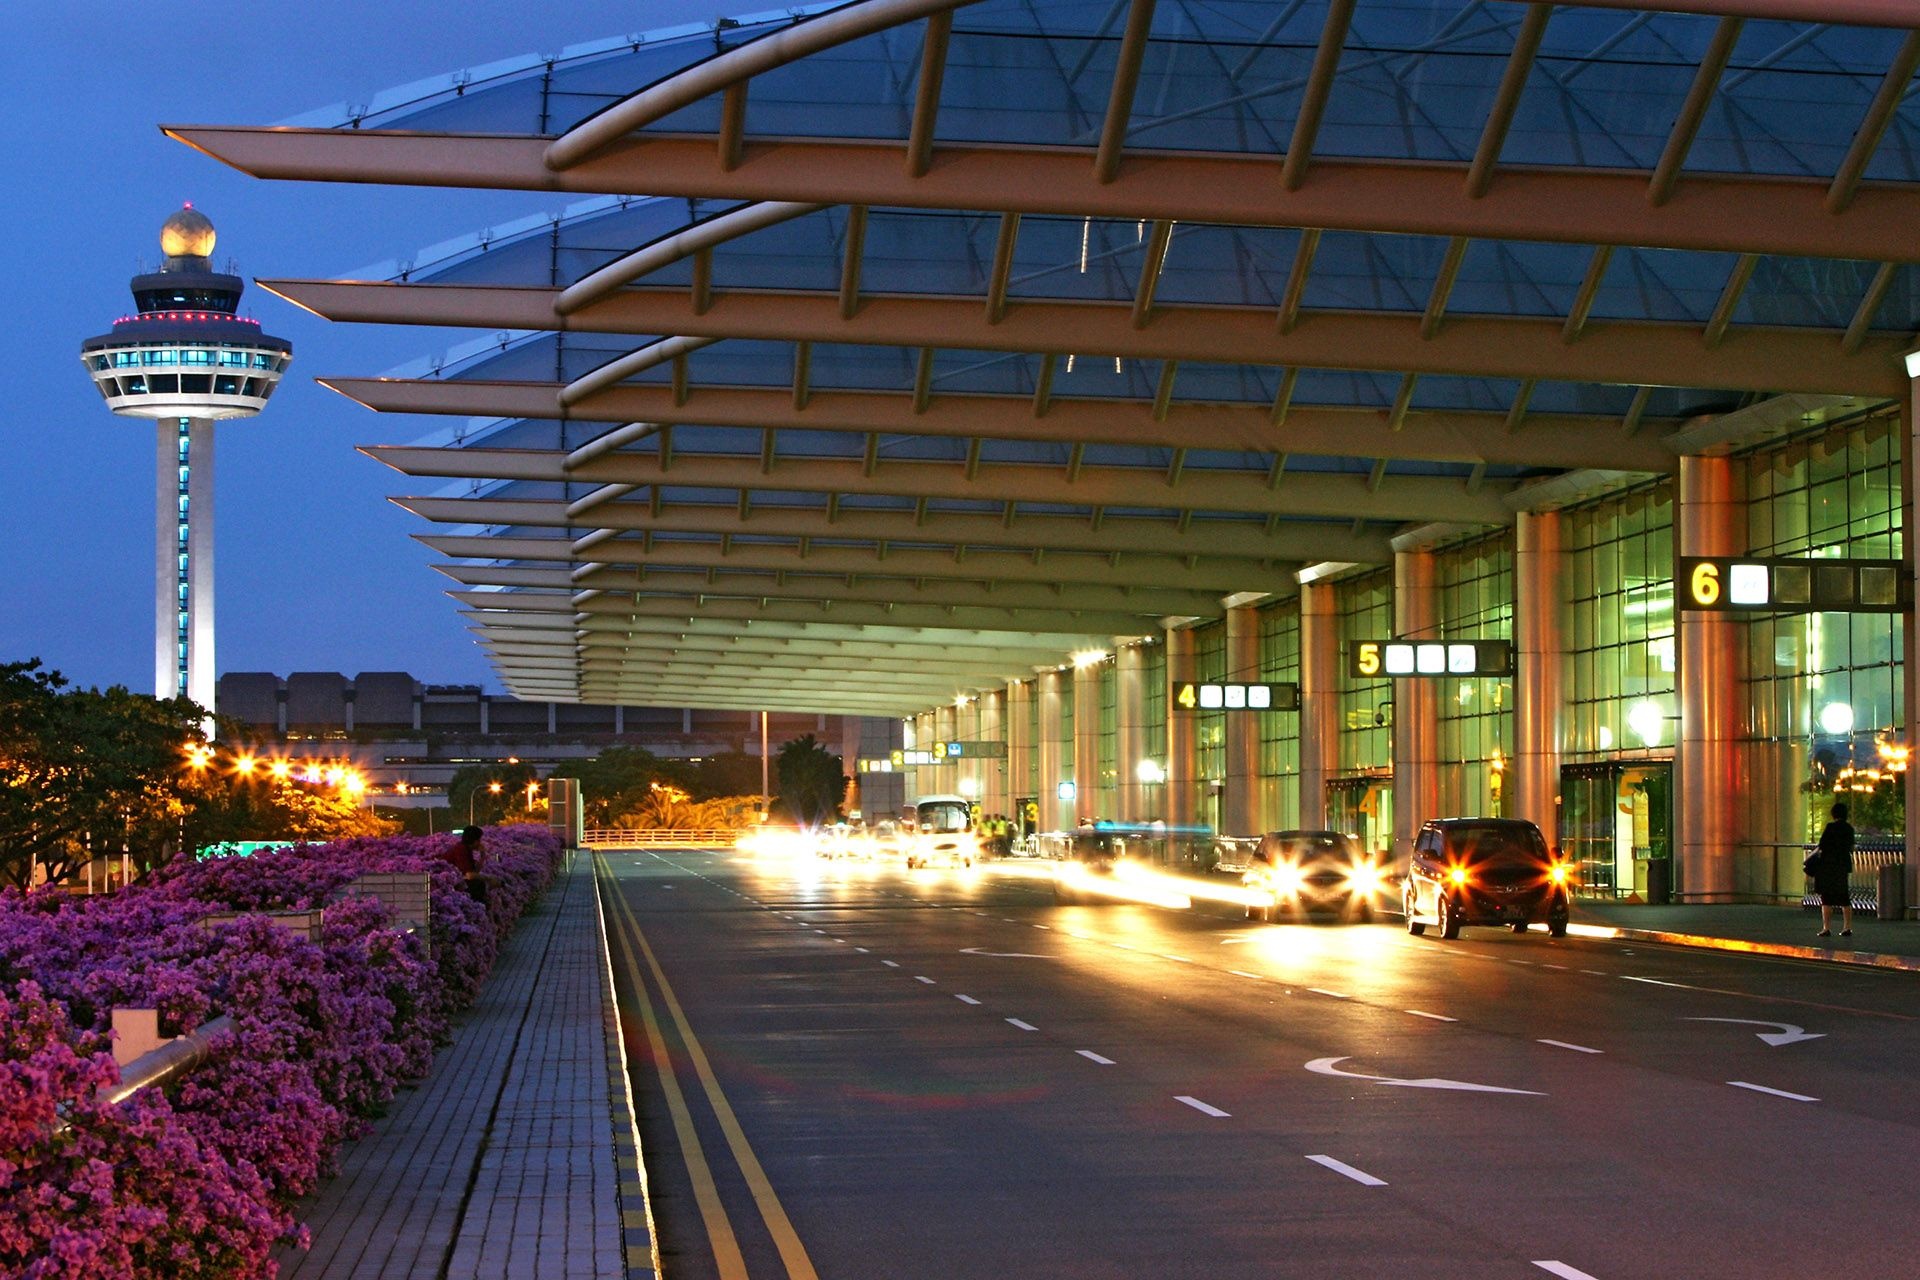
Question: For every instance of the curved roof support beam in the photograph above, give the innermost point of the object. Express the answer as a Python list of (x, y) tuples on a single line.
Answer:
[(667, 250), (735, 66), (1874, 125), (1313, 99), (1693, 110), (1512, 84), (615, 371), (1126, 79)]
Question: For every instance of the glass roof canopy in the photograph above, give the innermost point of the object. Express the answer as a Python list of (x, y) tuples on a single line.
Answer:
[(1057, 319)]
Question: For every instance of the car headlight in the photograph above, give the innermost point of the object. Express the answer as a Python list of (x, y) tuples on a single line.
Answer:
[(1285, 880), (1456, 875), (1364, 878), (1559, 873)]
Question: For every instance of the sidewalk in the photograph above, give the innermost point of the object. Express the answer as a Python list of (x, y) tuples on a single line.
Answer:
[(515, 1158), (1767, 930)]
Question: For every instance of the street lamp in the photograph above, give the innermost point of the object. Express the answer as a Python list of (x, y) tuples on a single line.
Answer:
[(493, 788)]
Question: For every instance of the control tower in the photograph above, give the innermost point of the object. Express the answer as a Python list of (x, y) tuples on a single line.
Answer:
[(185, 360)]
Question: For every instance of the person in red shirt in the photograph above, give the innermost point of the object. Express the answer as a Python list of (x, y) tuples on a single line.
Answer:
[(464, 854)]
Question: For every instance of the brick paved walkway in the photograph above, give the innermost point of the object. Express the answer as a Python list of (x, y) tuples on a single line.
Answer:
[(507, 1161)]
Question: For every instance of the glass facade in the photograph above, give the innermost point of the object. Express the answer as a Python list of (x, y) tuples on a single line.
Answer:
[(1365, 608), (1107, 801), (1279, 763), (1824, 703), (1474, 581)]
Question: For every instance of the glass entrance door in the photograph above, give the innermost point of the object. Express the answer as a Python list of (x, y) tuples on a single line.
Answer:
[(1614, 818), (1363, 808)]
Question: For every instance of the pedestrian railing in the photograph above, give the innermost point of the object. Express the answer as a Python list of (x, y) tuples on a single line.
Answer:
[(703, 838), (1863, 886)]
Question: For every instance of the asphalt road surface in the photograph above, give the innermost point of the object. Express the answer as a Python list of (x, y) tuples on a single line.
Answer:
[(858, 1072)]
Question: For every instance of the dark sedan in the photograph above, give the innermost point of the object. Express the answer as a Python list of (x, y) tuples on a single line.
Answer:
[(1295, 873)]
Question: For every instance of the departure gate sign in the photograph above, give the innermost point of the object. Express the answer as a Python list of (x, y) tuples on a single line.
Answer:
[(1725, 584), (1226, 695), (1417, 659)]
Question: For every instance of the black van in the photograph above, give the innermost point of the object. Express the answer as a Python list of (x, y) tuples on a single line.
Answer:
[(1486, 871)]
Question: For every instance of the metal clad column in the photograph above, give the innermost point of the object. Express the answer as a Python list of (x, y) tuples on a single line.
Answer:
[(1538, 642), (1019, 742), (992, 722), (946, 777), (849, 762), (1130, 735), (1319, 700), (1086, 742), (1055, 813), (1710, 519), (1240, 814), (1183, 756), (166, 523), (1416, 718)]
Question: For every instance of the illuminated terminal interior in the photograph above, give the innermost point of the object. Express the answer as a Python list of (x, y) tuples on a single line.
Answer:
[(1040, 374)]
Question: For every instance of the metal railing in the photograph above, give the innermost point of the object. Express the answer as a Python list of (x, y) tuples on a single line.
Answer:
[(174, 1058), (615, 838), (1863, 886)]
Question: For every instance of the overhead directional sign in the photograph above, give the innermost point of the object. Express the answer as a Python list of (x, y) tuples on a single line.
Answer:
[(1372, 659), (1331, 1067), (986, 750), (1782, 1033), (1229, 695), (1725, 584)]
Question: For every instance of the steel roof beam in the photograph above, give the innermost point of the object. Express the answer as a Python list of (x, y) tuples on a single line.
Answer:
[(883, 560), (960, 642), (1640, 352), (1566, 440), (1720, 212), (1226, 539), (1330, 495), (1096, 627)]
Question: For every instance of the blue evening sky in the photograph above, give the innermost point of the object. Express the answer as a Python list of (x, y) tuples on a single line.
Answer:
[(316, 570)]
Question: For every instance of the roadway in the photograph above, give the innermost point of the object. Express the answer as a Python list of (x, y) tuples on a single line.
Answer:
[(876, 1073)]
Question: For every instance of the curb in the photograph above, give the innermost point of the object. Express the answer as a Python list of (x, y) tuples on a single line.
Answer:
[(1828, 955), (639, 1244)]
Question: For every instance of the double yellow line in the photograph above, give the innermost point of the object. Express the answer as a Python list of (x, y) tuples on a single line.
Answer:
[(713, 1213)]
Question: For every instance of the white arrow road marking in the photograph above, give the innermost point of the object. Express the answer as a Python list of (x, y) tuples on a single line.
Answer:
[(1564, 1271), (1202, 1107), (1002, 955), (1784, 1032), (1341, 1167), (1331, 1067), (1778, 1093)]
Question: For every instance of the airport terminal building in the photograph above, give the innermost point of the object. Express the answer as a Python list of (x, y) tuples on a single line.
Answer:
[(1331, 413)]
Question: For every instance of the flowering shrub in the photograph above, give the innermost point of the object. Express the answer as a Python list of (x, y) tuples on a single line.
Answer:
[(198, 1179)]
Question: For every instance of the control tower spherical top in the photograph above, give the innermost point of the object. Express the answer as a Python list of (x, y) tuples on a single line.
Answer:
[(187, 234)]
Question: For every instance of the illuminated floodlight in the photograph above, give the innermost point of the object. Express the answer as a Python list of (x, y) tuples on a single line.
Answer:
[(1089, 657), (1747, 584), (1066, 790), (1399, 660), (1647, 721), (1836, 718), (1149, 771), (1606, 738), (1462, 659), (969, 787), (1430, 659)]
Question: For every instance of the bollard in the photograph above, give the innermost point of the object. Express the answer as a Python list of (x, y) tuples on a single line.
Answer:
[(1893, 893)]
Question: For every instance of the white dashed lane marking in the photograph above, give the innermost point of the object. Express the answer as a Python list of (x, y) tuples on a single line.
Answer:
[(1437, 1017), (966, 999), (1024, 1026), (1564, 1271), (920, 977), (1322, 991), (1203, 1108), (891, 964), (1577, 1048), (1346, 1170), (1778, 1093), (1091, 1056)]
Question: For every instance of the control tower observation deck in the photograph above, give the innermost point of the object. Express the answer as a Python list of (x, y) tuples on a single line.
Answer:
[(186, 360)]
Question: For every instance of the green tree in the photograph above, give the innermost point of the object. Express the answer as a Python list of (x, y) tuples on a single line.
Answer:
[(471, 791), (812, 783), (85, 771), (728, 773), (618, 781)]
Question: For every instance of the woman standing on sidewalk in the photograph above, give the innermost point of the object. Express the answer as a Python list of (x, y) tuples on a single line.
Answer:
[(1832, 867)]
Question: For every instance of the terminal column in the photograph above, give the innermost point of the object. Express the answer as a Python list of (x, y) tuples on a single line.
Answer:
[(1319, 700), (1240, 814), (991, 719), (1130, 729), (1055, 813), (1183, 756), (1538, 643), (1416, 718), (1086, 741), (946, 777), (1020, 762), (1709, 520)]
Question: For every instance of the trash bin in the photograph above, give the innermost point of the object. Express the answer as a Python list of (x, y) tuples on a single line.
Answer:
[(1659, 881), (1893, 893)]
